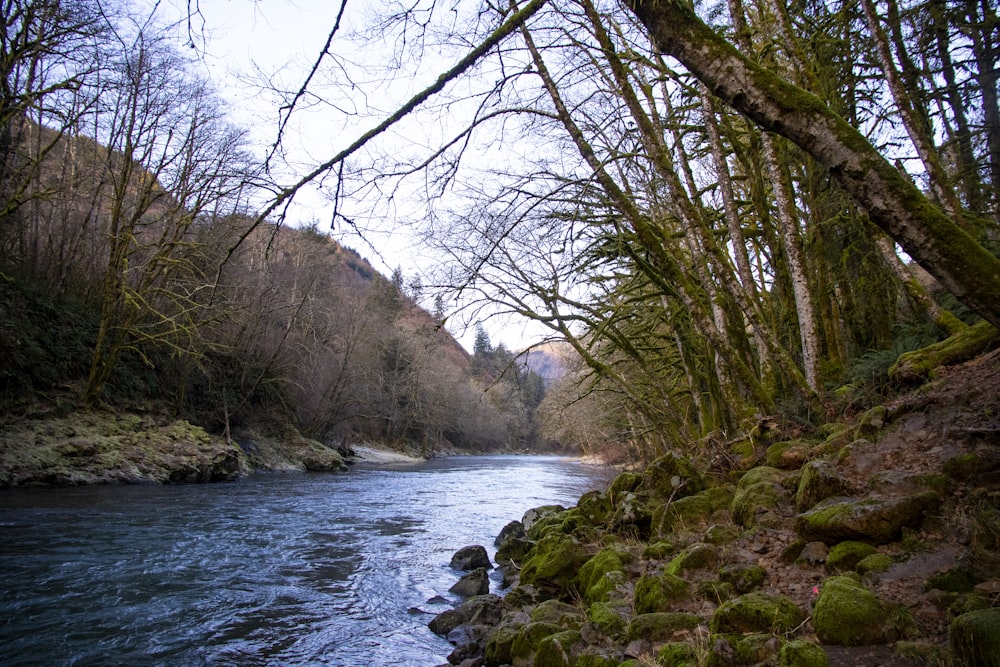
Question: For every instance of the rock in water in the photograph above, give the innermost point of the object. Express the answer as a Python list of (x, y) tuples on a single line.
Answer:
[(471, 557)]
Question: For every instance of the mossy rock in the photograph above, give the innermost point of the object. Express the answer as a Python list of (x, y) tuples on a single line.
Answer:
[(874, 563), (802, 653), (659, 550), (757, 612), (751, 501), (690, 511), (953, 580), (607, 618), (845, 556), (623, 483), (975, 638), (788, 455), (549, 523), (697, 556), (655, 592), (632, 516), (678, 654), (848, 614), (593, 657), (612, 585), (670, 477), (556, 650), (716, 591), (594, 507), (872, 421), (659, 626), (609, 559), (878, 520), (755, 648), (514, 549), (499, 648), (529, 636), (535, 514), (722, 534), (819, 482), (761, 474), (962, 346), (743, 577), (554, 562), (560, 613)]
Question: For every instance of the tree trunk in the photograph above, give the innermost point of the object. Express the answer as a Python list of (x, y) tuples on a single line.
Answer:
[(924, 231)]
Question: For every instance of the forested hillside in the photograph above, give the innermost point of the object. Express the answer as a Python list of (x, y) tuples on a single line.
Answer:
[(137, 276), (739, 217)]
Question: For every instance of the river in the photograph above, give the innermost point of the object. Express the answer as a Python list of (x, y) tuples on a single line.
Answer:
[(278, 569)]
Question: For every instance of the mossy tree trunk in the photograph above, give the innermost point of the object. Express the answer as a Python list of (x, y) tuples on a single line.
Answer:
[(923, 230)]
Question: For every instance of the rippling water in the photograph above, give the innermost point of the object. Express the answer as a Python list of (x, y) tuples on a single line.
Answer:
[(293, 569)]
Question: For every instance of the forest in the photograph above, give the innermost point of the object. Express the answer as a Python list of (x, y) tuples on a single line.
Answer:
[(733, 216)]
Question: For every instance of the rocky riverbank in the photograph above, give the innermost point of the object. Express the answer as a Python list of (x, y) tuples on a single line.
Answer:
[(103, 447), (872, 541)]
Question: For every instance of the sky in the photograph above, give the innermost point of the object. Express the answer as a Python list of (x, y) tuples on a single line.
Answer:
[(239, 41)]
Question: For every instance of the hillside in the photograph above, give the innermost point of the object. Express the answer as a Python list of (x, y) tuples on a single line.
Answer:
[(872, 542)]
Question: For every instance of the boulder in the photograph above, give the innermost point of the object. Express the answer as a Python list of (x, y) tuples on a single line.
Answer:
[(514, 549), (512, 529), (658, 592), (819, 482), (845, 556), (975, 638), (595, 579), (788, 455), (848, 614), (802, 653), (744, 577), (669, 477), (554, 562), (690, 511), (470, 558), (532, 516), (877, 520), (608, 619), (697, 556), (474, 583), (757, 612), (660, 626), (478, 610)]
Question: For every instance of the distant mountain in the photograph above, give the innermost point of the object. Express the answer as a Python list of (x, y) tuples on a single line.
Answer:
[(552, 360)]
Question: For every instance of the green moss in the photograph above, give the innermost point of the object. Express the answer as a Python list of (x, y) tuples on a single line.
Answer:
[(594, 507), (560, 613), (607, 619), (592, 658), (846, 555), (658, 626), (788, 455), (722, 534), (625, 482), (874, 563), (953, 580), (678, 654), (802, 653), (963, 466), (499, 648), (529, 636), (695, 557), (690, 511), (975, 638), (716, 591), (556, 650), (659, 550), (958, 347), (848, 614), (554, 562), (670, 477), (609, 559), (743, 577), (658, 592), (756, 612), (749, 501)]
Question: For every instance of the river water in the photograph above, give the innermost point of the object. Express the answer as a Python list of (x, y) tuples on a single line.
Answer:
[(289, 569)]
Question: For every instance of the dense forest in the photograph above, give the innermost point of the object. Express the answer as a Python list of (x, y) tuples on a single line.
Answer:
[(733, 219)]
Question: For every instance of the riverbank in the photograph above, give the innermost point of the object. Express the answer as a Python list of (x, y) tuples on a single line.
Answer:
[(872, 540)]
